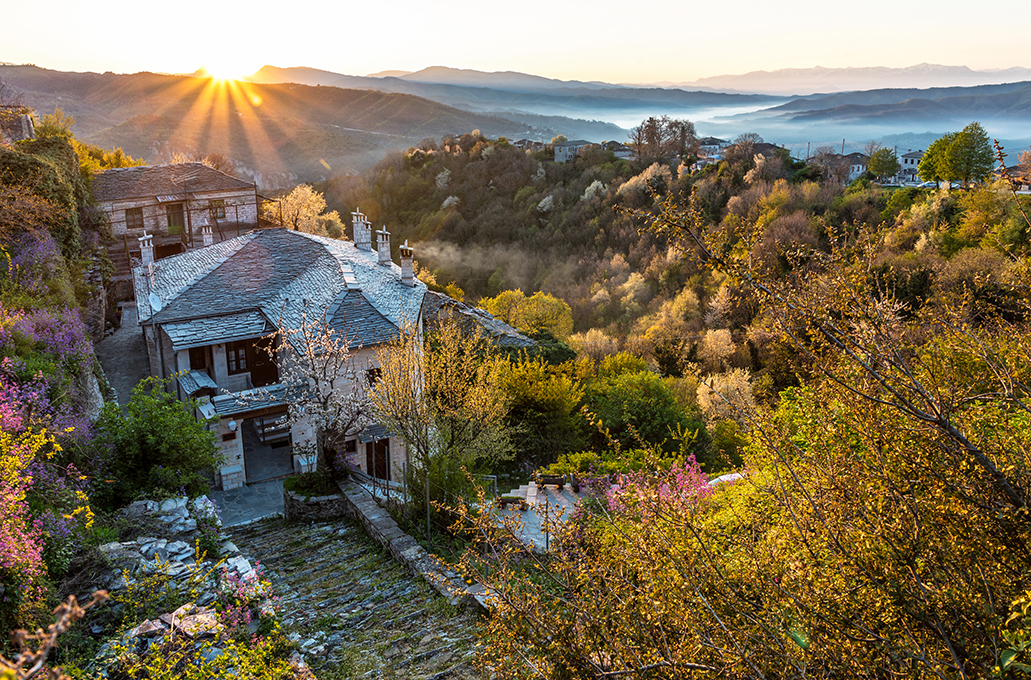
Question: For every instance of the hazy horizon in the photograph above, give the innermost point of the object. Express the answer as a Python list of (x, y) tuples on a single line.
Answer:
[(567, 41)]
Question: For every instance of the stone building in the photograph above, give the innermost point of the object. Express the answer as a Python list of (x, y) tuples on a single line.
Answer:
[(174, 204), (205, 312)]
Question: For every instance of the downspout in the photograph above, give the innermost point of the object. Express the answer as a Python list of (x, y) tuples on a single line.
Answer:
[(161, 349)]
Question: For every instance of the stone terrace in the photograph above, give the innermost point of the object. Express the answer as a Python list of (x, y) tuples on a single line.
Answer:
[(354, 611)]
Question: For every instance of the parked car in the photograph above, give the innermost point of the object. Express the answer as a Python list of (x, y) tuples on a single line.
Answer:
[(927, 185)]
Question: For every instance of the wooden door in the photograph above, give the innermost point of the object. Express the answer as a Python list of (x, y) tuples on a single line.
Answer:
[(377, 459), (263, 369)]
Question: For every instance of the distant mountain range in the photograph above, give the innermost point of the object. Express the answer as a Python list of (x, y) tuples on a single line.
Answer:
[(1008, 103), (510, 92), (301, 124), (806, 81), (278, 133)]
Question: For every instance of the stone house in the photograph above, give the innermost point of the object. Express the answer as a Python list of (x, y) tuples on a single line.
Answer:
[(858, 163), (175, 205), (204, 314), (620, 150), (15, 124), (709, 147)]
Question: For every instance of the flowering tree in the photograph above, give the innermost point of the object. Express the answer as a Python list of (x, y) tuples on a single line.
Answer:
[(327, 384)]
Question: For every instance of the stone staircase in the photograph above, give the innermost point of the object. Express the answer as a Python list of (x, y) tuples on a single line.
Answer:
[(533, 495), (352, 609), (546, 505)]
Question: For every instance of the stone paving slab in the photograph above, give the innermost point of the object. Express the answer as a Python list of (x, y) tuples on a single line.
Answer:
[(353, 611), (249, 503), (124, 355)]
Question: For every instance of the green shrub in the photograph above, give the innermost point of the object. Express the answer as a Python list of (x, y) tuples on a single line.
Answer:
[(314, 483), (156, 448)]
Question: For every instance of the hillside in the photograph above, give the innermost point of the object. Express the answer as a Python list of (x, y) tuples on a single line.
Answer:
[(520, 92), (279, 133), (821, 79), (1003, 103)]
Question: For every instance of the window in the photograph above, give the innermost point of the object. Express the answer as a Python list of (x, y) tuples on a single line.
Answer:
[(198, 358), (176, 222), (217, 208), (236, 356), (372, 376), (134, 218)]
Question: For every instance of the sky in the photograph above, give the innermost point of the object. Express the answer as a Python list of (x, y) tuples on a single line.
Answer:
[(605, 40)]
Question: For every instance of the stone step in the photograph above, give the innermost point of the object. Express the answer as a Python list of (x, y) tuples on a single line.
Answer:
[(340, 593)]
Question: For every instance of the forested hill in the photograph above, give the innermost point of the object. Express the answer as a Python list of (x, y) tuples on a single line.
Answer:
[(280, 133), (491, 218), (1009, 102)]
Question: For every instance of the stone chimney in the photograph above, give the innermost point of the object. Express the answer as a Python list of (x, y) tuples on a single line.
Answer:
[(207, 237), (383, 245), (147, 248), (362, 231), (407, 270)]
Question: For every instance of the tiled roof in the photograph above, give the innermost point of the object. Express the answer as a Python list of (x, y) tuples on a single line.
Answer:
[(162, 180), (287, 276), (212, 329)]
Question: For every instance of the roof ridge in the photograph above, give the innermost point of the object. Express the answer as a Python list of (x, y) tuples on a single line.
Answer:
[(199, 274)]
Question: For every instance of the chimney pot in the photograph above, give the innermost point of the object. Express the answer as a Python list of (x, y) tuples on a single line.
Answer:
[(206, 235), (407, 269), (383, 245), (362, 231), (147, 248)]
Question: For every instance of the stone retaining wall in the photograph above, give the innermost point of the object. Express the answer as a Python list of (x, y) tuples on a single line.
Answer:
[(314, 508), (404, 549)]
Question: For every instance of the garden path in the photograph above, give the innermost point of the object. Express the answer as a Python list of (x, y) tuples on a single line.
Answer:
[(123, 355), (353, 610), (249, 503)]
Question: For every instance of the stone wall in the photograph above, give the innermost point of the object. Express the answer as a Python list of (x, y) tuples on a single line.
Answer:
[(241, 213), (313, 508)]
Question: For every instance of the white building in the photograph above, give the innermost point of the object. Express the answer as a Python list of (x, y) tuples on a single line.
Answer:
[(567, 151)]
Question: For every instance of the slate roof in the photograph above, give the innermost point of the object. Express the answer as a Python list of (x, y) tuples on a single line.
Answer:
[(281, 276), (373, 433), (163, 180), (250, 400), (353, 315), (211, 330), (502, 334), (193, 382)]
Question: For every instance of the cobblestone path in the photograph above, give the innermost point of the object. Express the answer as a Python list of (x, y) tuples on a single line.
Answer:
[(354, 611)]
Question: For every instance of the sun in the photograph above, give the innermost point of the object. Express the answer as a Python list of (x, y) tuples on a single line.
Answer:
[(228, 67)]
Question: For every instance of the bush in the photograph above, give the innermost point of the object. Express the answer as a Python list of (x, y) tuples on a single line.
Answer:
[(156, 448), (314, 483)]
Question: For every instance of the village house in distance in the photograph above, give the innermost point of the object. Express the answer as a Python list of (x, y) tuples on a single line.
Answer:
[(205, 311), (173, 204)]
